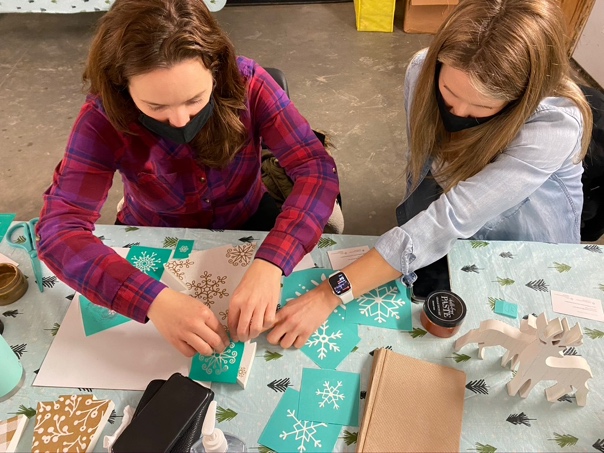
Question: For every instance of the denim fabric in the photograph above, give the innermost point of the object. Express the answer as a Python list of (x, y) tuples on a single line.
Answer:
[(530, 192)]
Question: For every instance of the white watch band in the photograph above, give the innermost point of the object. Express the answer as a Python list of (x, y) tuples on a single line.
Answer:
[(346, 297)]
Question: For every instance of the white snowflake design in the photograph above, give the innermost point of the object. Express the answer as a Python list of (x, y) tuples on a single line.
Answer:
[(183, 249), (146, 263), (219, 363), (241, 254), (177, 266), (330, 395), (208, 289), (381, 303), (303, 430), (305, 289), (321, 338)]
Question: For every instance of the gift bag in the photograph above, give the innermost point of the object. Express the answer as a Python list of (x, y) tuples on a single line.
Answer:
[(374, 15)]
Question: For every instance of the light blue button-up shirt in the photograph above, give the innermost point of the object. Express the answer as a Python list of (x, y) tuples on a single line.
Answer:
[(530, 192)]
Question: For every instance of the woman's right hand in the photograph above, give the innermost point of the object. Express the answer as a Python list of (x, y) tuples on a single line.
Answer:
[(187, 324)]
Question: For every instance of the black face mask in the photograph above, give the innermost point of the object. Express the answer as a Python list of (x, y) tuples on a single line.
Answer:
[(183, 134), (454, 123)]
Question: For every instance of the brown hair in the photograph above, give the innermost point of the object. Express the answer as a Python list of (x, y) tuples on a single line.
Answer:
[(138, 36), (512, 50)]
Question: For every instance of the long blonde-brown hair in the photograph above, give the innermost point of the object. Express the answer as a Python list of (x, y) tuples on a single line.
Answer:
[(512, 50), (138, 36)]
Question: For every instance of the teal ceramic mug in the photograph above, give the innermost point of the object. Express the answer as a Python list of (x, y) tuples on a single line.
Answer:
[(12, 373)]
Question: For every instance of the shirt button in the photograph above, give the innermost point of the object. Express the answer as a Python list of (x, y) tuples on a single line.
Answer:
[(334, 170), (207, 200), (202, 180)]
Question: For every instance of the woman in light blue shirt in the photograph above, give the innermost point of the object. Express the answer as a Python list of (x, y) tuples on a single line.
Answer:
[(497, 131)]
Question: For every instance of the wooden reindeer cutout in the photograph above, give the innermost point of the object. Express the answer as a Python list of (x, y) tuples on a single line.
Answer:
[(536, 351)]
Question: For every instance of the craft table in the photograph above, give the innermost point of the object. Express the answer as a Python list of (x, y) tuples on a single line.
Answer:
[(481, 272)]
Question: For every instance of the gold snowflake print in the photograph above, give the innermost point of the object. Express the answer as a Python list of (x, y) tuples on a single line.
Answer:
[(241, 254), (176, 266), (208, 288)]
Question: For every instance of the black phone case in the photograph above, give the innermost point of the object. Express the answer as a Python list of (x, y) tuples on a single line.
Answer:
[(168, 417)]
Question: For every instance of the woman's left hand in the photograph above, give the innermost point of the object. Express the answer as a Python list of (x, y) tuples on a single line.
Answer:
[(254, 303), (301, 317)]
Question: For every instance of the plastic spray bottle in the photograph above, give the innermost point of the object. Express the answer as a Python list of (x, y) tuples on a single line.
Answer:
[(213, 440)]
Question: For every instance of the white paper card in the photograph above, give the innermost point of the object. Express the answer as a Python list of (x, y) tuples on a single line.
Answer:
[(305, 263), (580, 306), (341, 258), (6, 259), (125, 357)]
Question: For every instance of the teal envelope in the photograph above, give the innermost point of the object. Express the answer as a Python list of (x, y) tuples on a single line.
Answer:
[(286, 431), (223, 367)]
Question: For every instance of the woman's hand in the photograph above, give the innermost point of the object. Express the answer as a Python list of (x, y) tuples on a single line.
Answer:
[(187, 324), (301, 317), (254, 303)]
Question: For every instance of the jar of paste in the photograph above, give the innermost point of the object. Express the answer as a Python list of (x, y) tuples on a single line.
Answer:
[(443, 313)]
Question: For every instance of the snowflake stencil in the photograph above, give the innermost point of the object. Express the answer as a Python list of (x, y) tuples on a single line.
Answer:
[(241, 254), (146, 263), (218, 363), (321, 338), (330, 395), (208, 289), (381, 303), (304, 289), (303, 430), (183, 249), (177, 266)]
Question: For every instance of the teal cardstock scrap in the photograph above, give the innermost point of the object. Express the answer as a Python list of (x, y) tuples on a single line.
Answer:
[(330, 396), (149, 260), (183, 249), (332, 342), (222, 367), (5, 221), (382, 307), (287, 432), (97, 319)]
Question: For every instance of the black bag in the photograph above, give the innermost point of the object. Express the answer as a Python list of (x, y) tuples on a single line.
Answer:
[(592, 215)]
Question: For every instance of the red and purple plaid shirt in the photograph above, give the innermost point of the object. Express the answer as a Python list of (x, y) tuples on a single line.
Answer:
[(165, 187)]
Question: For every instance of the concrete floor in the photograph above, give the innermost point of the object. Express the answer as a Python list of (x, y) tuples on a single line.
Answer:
[(347, 83)]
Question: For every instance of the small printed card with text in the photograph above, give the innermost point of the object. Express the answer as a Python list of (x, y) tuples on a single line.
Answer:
[(339, 259), (580, 306)]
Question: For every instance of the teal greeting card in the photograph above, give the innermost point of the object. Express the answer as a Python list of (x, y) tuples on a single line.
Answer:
[(5, 221), (286, 431), (96, 318), (222, 367), (330, 396), (382, 307), (183, 249), (331, 343), (149, 260)]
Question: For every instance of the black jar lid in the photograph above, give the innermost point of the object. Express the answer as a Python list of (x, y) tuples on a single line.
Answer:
[(445, 308)]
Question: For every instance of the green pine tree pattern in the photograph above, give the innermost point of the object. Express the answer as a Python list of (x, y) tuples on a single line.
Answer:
[(561, 267), (493, 300), (326, 242), (263, 449), (565, 440), (417, 332), (601, 286), (478, 244), (29, 412), (594, 334), (131, 228), (54, 329), (459, 358), (482, 448), (224, 415), (505, 281), (170, 242), (270, 355), (350, 437)]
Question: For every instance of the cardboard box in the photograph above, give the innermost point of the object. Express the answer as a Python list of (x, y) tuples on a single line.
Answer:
[(426, 16), (374, 15)]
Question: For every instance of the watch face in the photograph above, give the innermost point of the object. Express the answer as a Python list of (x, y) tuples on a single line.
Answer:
[(339, 283)]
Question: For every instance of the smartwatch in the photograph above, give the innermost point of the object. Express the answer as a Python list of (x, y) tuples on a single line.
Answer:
[(341, 287)]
